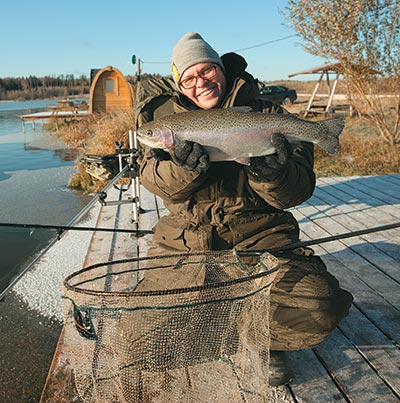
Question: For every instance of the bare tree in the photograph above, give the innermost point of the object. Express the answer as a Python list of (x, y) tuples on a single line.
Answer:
[(364, 37)]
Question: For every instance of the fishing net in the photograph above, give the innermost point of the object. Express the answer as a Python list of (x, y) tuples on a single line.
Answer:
[(187, 328)]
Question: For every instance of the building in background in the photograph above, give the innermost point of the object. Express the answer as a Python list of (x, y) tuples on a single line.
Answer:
[(109, 90)]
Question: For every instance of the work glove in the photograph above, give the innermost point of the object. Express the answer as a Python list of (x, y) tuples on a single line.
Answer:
[(186, 154), (267, 168), (159, 154)]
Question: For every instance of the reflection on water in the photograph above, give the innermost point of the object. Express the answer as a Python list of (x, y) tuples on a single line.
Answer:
[(34, 172), (17, 245)]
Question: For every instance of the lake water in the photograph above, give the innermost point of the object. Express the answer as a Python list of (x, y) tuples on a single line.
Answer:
[(34, 171)]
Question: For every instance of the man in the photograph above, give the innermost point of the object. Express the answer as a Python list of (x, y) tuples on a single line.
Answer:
[(225, 205)]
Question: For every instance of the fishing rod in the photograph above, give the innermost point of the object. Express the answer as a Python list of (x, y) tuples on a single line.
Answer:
[(145, 232), (61, 228), (326, 239), (337, 237), (139, 232)]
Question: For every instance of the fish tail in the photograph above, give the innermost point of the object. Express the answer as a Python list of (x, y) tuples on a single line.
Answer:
[(332, 128)]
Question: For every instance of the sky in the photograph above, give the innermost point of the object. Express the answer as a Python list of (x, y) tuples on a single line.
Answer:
[(48, 38)]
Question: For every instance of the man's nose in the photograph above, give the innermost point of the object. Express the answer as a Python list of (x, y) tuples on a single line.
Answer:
[(203, 81)]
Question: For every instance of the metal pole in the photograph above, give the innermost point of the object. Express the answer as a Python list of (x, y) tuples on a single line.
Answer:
[(133, 145), (137, 182), (139, 69)]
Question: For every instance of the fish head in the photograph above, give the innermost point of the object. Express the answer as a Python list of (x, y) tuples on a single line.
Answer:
[(156, 136)]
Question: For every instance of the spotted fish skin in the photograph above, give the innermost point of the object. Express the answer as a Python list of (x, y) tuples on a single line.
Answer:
[(238, 133)]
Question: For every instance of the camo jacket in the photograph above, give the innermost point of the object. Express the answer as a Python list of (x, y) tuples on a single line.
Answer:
[(224, 207)]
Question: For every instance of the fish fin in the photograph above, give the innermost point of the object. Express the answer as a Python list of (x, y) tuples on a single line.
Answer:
[(239, 109), (333, 128), (243, 161)]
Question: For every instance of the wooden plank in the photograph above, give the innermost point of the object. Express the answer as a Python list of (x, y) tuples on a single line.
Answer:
[(364, 189), (385, 243), (353, 217), (375, 307), (344, 251), (366, 296), (381, 185), (153, 209), (392, 179), (375, 247), (380, 351), (380, 318), (383, 284), (366, 214), (312, 383), (352, 373), (306, 392), (361, 203), (107, 246)]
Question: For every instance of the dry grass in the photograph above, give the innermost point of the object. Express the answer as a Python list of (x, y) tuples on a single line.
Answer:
[(307, 87), (362, 151), (97, 135)]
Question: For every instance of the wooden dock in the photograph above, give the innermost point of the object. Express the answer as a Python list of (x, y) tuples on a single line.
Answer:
[(360, 361), (54, 115)]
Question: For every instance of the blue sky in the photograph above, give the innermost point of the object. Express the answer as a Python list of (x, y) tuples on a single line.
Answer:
[(53, 38)]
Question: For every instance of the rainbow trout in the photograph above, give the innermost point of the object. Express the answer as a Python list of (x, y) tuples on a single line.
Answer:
[(238, 133)]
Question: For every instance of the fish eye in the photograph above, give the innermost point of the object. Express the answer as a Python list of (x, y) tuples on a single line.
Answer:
[(149, 133)]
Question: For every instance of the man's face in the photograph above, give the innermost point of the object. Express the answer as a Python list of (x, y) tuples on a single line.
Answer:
[(204, 84)]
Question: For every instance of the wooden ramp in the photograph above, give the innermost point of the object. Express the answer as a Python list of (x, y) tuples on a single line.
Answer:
[(360, 361)]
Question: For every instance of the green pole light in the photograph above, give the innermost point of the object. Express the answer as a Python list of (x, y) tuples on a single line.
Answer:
[(133, 59)]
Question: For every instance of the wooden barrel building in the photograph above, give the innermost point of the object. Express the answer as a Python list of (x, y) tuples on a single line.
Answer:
[(110, 91)]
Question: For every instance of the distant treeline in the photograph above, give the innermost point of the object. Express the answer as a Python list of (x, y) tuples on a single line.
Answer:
[(32, 87), (62, 86)]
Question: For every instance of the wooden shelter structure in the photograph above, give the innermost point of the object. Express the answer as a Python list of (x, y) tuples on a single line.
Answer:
[(323, 71), (110, 91)]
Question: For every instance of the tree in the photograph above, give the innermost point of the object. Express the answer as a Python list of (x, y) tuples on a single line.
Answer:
[(364, 37)]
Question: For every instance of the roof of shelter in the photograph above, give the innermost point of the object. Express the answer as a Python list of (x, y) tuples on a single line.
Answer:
[(333, 67), (330, 68)]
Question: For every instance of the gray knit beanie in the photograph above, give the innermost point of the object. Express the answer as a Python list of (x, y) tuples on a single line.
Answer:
[(190, 50)]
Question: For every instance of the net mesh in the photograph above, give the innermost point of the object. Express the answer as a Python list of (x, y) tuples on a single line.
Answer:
[(174, 329)]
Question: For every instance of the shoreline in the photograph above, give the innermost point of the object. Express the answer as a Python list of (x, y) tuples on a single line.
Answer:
[(38, 201), (40, 288), (31, 316), (68, 97)]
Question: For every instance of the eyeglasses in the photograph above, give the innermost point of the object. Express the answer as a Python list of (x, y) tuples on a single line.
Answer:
[(206, 74)]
